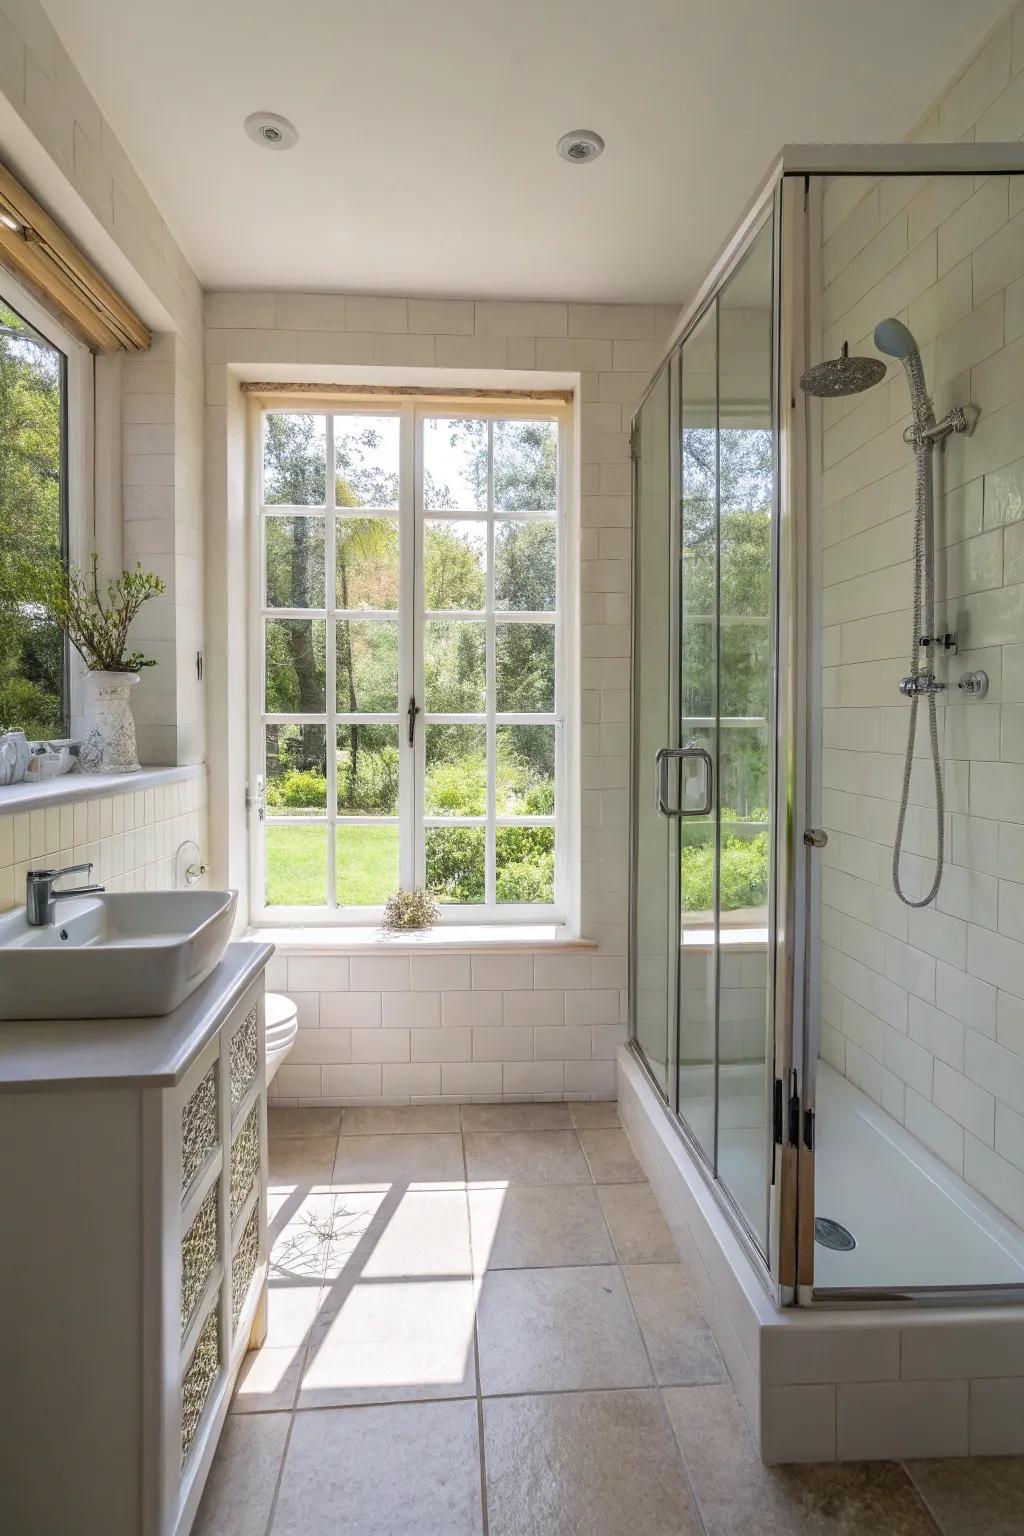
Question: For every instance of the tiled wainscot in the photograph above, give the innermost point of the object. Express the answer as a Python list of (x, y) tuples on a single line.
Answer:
[(129, 835)]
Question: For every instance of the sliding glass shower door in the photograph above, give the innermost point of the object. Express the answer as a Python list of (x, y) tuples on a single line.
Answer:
[(703, 702)]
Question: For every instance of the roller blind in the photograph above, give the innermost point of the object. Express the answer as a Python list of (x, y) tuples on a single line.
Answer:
[(37, 250)]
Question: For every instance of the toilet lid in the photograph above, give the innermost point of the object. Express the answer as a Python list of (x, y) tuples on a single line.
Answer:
[(281, 1011)]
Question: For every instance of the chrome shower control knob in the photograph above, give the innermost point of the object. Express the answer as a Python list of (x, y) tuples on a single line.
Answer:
[(974, 684)]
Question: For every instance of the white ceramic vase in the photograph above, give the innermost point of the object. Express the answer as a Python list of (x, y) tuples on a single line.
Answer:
[(109, 746)]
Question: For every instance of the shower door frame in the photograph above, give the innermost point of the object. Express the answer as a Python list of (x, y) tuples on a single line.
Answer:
[(776, 1268), (670, 368), (798, 164)]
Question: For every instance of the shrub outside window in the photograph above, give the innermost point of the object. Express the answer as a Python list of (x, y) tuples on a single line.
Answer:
[(33, 523)]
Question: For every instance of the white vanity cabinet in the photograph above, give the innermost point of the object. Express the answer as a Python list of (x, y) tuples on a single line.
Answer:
[(133, 1255)]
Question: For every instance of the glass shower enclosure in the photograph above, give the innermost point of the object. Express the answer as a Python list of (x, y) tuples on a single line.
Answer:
[(841, 1049)]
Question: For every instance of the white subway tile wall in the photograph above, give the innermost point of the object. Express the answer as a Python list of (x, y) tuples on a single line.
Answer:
[(129, 836), (423, 1028), (923, 1010), (482, 1025), (162, 509)]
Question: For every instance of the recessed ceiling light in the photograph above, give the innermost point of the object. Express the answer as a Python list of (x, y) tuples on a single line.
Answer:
[(271, 131), (580, 146)]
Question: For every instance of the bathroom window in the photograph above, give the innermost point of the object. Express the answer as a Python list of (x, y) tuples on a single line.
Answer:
[(410, 707), (34, 511)]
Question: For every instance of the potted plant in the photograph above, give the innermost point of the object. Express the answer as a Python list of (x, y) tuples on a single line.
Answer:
[(409, 911), (98, 629)]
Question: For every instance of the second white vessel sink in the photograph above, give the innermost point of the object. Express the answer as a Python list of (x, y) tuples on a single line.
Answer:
[(113, 955)]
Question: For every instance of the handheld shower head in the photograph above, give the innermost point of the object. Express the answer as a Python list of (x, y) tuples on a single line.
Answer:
[(893, 338)]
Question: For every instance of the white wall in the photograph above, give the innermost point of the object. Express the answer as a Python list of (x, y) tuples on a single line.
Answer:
[(473, 1025), (924, 1010), (55, 138)]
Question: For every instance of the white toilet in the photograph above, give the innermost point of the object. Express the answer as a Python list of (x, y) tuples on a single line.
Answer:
[(282, 1016)]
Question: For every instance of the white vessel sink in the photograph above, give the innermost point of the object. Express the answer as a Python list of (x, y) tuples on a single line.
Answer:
[(113, 956)]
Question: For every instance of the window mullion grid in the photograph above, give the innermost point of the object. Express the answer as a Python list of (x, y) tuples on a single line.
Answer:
[(490, 879), (330, 602)]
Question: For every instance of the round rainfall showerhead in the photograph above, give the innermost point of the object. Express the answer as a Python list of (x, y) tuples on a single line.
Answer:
[(843, 375)]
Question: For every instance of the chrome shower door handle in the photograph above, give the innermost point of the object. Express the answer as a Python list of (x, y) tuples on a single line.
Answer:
[(662, 758)]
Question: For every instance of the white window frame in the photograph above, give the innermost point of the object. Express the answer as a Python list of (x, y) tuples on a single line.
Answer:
[(411, 615), (78, 446)]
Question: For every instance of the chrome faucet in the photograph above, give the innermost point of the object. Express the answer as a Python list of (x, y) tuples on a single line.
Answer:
[(41, 898)]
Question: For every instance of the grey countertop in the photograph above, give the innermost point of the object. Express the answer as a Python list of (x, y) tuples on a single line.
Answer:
[(142, 1053)]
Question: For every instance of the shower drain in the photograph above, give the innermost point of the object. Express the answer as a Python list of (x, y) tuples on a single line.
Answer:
[(832, 1234)]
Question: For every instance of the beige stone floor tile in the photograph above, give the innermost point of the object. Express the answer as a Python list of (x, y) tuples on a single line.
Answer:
[(584, 1464), (300, 1236), (409, 1469), (601, 1113), (239, 1491), (301, 1162), (391, 1341), (269, 1379), (515, 1117), (313, 1121), (860, 1498), (399, 1119), (525, 1157), (639, 1230), (981, 1496), (677, 1334), (355, 1215), (737, 1495), (414, 1160), (610, 1157), (552, 1330), (529, 1226), (415, 1232), (292, 1307)]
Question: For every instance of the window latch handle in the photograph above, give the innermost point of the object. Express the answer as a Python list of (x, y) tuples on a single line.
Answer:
[(412, 712)]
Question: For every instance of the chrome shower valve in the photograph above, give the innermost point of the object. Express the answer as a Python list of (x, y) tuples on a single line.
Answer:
[(920, 682)]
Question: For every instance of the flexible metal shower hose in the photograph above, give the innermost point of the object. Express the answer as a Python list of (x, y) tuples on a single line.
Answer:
[(920, 664)]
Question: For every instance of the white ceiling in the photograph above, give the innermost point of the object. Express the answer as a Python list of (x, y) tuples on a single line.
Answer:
[(426, 162)]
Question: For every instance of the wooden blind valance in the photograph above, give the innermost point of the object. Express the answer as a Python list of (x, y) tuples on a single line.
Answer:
[(400, 391), (37, 249)]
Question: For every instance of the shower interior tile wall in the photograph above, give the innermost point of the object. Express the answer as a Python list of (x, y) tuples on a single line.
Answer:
[(129, 836), (924, 1010)]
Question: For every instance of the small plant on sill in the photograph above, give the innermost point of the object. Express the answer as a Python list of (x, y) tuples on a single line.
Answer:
[(407, 911), (96, 627)]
